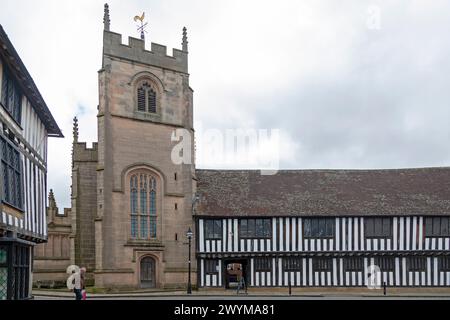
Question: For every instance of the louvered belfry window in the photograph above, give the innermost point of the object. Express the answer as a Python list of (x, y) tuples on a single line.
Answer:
[(146, 98)]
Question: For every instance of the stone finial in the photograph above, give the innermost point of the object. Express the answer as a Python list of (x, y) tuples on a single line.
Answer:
[(51, 199), (185, 40), (75, 129), (106, 19)]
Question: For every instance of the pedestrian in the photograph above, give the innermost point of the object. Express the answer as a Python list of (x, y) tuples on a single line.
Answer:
[(77, 285), (83, 283)]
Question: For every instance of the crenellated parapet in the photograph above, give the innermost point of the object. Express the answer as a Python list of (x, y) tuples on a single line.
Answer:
[(84, 154), (135, 51)]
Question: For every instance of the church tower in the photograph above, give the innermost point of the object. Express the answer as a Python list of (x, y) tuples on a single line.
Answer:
[(144, 198)]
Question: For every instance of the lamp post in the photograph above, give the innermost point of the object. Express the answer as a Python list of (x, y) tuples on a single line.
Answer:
[(189, 235)]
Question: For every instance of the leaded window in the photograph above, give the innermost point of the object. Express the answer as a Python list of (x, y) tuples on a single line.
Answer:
[(143, 216), (3, 272), (322, 264), (14, 271), (255, 228), (263, 264), (11, 95), (11, 170), (385, 263), (444, 263), (417, 263), (146, 98), (213, 229), (437, 227), (319, 227), (378, 227), (292, 264), (211, 266), (353, 264)]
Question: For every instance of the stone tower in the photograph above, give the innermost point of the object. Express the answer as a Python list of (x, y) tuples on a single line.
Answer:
[(143, 198)]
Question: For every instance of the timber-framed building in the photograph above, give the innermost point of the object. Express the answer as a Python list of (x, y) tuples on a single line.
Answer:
[(25, 125)]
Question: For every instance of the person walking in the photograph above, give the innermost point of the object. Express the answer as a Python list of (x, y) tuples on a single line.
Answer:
[(77, 285), (83, 283)]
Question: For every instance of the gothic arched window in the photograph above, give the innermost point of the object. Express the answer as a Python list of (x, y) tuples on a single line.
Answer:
[(144, 213), (146, 98), (134, 205)]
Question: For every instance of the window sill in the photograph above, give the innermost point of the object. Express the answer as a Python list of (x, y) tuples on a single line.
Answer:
[(144, 243)]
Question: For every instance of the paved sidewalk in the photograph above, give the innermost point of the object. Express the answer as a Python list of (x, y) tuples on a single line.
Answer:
[(269, 292)]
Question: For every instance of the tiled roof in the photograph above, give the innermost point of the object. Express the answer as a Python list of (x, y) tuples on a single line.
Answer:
[(324, 192)]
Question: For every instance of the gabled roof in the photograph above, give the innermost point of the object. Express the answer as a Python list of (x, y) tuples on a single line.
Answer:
[(324, 192), (11, 57)]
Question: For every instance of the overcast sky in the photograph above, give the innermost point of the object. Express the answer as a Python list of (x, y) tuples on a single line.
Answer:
[(346, 87)]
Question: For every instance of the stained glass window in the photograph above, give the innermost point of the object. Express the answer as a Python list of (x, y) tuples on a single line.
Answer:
[(143, 206), (143, 195), (152, 227), (152, 203), (134, 226), (144, 227), (133, 186)]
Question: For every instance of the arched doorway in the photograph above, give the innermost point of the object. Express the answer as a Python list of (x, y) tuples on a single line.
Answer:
[(148, 273)]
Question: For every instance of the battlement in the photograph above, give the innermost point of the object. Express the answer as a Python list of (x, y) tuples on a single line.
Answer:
[(81, 153), (135, 51)]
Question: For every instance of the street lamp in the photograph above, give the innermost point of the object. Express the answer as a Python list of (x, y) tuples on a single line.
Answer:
[(189, 235)]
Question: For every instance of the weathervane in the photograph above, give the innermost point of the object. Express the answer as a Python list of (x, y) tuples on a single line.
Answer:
[(142, 26)]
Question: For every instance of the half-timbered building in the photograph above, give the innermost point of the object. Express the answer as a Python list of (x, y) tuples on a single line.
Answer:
[(324, 228), (25, 125)]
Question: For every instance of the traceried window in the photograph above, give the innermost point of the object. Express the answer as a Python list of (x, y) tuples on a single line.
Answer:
[(11, 173), (11, 95), (378, 227), (146, 98), (319, 228), (143, 206)]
